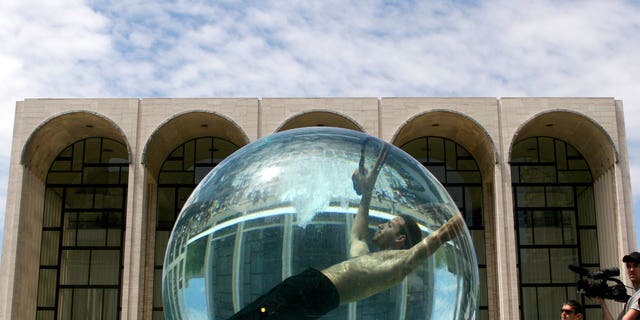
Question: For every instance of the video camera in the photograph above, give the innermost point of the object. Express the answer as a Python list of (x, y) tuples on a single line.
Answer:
[(596, 284)]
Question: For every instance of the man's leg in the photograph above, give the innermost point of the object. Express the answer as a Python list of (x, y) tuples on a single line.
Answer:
[(363, 276)]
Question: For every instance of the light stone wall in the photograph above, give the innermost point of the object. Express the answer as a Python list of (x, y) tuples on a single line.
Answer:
[(139, 123)]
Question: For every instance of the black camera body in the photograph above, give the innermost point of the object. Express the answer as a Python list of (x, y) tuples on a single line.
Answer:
[(596, 284)]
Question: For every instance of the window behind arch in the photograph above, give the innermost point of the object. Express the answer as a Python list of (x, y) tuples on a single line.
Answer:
[(555, 223), (180, 173), (83, 232), (458, 172)]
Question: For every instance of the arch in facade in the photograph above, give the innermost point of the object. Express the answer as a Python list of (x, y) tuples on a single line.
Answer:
[(583, 133), (185, 126), (41, 148), (320, 118), (60, 131), (456, 126), (568, 196), (458, 129)]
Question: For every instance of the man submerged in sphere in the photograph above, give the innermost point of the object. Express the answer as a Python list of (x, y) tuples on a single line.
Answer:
[(313, 293)]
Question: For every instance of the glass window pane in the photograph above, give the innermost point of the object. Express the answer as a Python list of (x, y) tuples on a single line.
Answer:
[(548, 300), (177, 177), (547, 227), (525, 151), (79, 198), (172, 165), (158, 315), (457, 195), (417, 149), (114, 152), (589, 246), (65, 304), (110, 198), (166, 207), (157, 288), (94, 175), (64, 177), (49, 248), (586, 206), (574, 176), (578, 164), (451, 156), (525, 227), (561, 155), (439, 172), (569, 225), (204, 151), (92, 150), (47, 287), (436, 149), (515, 174), (470, 176), (189, 149), (114, 237), (45, 315), (52, 208), (87, 302), (105, 267), (225, 148), (547, 149), (78, 156), (201, 172), (467, 164), (91, 237), (530, 303), (162, 237), (559, 196), (561, 258), (473, 206), (111, 304), (183, 195), (530, 196), (74, 267), (479, 244), (534, 266), (537, 174), (61, 165)]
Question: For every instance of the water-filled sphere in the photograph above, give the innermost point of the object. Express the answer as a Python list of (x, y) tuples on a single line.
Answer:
[(287, 202)]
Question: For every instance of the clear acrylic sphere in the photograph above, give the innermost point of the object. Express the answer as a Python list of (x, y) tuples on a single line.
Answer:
[(285, 203)]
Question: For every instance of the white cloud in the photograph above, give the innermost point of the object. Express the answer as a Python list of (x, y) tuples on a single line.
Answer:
[(330, 48)]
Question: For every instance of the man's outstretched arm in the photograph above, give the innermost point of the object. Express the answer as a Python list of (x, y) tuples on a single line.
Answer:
[(366, 275), (363, 183)]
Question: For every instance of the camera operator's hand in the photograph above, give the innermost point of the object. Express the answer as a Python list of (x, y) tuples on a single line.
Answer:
[(603, 305)]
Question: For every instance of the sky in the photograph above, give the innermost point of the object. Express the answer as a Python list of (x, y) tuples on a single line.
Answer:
[(139, 49)]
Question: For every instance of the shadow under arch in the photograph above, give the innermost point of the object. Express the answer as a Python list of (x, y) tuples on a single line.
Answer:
[(186, 126), (455, 126), (320, 119), (581, 132), (60, 131)]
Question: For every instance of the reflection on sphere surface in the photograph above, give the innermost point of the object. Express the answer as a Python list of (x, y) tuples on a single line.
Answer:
[(285, 203)]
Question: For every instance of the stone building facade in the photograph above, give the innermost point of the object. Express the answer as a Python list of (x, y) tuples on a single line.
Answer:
[(542, 183)]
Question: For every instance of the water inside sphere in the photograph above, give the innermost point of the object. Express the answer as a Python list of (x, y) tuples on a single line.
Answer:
[(288, 202)]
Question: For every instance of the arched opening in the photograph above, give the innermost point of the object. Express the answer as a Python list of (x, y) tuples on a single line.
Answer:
[(555, 222), (562, 170), (83, 223), (458, 172), (180, 173), (461, 155)]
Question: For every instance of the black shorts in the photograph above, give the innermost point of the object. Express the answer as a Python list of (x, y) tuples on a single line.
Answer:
[(307, 295)]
